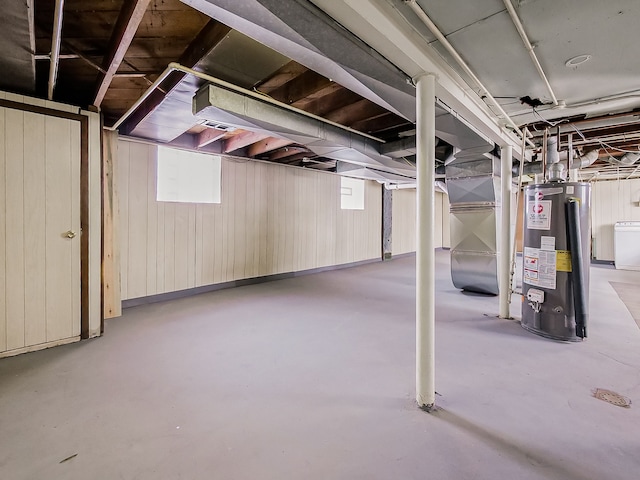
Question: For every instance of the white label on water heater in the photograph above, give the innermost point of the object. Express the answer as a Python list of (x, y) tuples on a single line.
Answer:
[(547, 243), (539, 268), (539, 215)]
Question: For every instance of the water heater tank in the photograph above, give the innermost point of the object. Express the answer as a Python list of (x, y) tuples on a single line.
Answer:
[(547, 280)]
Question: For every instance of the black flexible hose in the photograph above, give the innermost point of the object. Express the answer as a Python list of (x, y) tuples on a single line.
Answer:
[(580, 306)]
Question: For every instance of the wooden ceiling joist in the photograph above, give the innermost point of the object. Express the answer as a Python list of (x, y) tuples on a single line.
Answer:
[(285, 74), (123, 33), (208, 136), (283, 153), (241, 140), (267, 145), (360, 110), (300, 87), (209, 37)]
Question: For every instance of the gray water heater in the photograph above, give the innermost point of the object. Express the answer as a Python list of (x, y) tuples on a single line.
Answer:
[(556, 257)]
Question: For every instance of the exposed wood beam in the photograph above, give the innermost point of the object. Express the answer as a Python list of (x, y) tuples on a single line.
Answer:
[(289, 152), (268, 145), (300, 87), (388, 122), (285, 74), (354, 112), (334, 97), (209, 37), (209, 135), (123, 33), (55, 47), (296, 159), (241, 140)]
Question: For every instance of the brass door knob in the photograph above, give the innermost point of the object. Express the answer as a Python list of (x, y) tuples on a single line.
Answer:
[(70, 234)]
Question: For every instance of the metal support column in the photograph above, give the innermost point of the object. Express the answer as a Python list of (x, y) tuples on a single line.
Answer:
[(505, 231), (425, 245)]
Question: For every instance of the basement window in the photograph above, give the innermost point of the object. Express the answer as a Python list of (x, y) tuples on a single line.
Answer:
[(351, 193), (187, 177)]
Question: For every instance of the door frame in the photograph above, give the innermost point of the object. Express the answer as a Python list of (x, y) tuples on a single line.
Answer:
[(84, 199)]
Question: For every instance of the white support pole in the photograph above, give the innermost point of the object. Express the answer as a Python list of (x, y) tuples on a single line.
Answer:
[(425, 245), (505, 230)]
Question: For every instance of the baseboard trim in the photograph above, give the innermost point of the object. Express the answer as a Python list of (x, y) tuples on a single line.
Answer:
[(602, 262), (163, 297), (40, 346)]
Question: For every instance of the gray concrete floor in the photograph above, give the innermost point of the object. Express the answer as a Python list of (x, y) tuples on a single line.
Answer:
[(313, 377)]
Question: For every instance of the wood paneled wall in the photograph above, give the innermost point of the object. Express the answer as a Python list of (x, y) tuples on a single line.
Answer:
[(612, 201), (403, 232), (272, 219)]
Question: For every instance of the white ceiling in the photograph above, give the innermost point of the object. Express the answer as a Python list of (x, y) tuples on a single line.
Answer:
[(484, 35)]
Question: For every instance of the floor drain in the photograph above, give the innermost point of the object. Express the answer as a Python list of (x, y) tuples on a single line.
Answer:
[(611, 397)]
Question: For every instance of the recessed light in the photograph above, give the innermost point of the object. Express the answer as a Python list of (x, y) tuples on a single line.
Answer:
[(577, 60)]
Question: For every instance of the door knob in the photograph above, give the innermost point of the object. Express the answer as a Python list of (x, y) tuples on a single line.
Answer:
[(70, 234)]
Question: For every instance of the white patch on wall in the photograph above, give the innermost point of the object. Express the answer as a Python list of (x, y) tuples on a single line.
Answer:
[(187, 177), (351, 193)]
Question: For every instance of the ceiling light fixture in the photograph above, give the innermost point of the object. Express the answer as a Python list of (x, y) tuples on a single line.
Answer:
[(577, 60)]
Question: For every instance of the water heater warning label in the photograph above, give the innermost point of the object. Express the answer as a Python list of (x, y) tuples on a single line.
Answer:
[(540, 268), (539, 215)]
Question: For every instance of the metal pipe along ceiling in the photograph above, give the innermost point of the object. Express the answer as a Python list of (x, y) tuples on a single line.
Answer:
[(525, 39), (56, 37), (216, 81), (421, 14)]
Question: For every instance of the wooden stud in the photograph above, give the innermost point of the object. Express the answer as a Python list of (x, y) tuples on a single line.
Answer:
[(112, 302)]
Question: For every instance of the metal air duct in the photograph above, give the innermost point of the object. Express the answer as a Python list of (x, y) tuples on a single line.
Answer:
[(474, 196)]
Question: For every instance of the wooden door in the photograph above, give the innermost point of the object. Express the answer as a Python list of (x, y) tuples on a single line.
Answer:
[(39, 231)]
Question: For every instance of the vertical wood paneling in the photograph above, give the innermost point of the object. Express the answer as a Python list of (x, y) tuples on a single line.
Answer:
[(264, 267), (218, 238), (191, 246), (123, 202), (181, 251), (227, 203), (151, 222), (403, 232), (255, 187), (238, 220), (35, 230), (3, 210), (290, 208), (272, 219), (200, 267), (14, 144), (160, 248), (169, 258), (611, 202), (138, 208)]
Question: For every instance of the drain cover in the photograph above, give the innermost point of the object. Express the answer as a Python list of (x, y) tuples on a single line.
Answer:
[(612, 397)]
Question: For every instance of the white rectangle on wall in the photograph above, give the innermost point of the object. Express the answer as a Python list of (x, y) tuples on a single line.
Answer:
[(187, 177), (351, 193)]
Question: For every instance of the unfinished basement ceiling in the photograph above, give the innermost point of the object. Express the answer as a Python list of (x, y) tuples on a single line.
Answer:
[(327, 58)]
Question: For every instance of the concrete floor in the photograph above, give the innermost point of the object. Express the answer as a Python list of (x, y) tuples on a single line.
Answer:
[(313, 377)]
